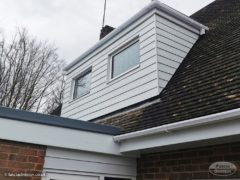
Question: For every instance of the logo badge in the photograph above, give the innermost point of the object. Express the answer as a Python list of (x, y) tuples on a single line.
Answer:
[(222, 169)]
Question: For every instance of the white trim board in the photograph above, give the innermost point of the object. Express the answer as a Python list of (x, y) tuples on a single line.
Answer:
[(21, 131)]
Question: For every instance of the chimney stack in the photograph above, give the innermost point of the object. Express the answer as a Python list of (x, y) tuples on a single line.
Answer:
[(105, 31)]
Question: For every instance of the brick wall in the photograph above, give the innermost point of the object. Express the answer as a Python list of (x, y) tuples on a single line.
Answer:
[(187, 164), (20, 158)]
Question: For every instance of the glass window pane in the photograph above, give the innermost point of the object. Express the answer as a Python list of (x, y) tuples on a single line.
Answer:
[(125, 60), (82, 85)]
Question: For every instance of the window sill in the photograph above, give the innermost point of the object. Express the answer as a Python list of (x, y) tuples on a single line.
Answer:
[(78, 98), (123, 74)]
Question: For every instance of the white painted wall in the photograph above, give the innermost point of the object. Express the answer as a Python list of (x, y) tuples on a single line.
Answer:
[(164, 43), (69, 164)]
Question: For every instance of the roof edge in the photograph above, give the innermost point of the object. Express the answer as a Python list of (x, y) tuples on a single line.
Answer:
[(153, 5), (49, 120)]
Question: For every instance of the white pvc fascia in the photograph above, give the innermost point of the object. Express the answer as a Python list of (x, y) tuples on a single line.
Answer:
[(60, 137), (204, 120)]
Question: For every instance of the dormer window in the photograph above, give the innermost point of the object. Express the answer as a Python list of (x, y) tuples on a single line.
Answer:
[(82, 84), (125, 59)]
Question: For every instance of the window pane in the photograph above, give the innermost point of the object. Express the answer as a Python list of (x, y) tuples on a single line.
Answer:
[(125, 60), (82, 85)]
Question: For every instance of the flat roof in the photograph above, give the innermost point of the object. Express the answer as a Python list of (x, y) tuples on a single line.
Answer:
[(49, 120), (153, 5)]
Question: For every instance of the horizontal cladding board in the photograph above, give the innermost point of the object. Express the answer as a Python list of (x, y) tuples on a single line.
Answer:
[(171, 49), (103, 68), (147, 41), (119, 40), (147, 48), (89, 156), (118, 100), (96, 70), (176, 27), (97, 79), (148, 34), (100, 97), (101, 84), (148, 55), (172, 43), (85, 166), (166, 69), (115, 97), (111, 92), (167, 35), (126, 103), (102, 78), (135, 28), (101, 59), (168, 62), (169, 55), (162, 83), (175, 32), (115, 85), (164, 75)]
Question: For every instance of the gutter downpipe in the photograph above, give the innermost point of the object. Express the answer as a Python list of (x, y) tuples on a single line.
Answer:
[(204, 120)]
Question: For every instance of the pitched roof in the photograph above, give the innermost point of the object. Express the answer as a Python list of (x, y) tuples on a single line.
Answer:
[(208, 80), (31, 117)]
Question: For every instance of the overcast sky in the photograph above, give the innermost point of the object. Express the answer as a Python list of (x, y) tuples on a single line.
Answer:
[(74, 25)]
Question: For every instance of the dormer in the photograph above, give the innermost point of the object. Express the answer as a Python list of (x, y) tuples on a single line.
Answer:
[(131, 64)]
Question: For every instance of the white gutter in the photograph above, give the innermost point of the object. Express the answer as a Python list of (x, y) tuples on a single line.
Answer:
[(153, 5), (180, 16), (204, 120)]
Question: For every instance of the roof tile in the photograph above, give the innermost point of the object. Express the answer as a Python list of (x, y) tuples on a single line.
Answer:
[(208, 80)]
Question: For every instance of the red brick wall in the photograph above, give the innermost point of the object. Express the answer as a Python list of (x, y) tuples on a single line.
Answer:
[(20, 158), (187, 164)]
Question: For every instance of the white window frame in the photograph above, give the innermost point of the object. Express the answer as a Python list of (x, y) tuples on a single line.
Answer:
[(117, 51), (86, 71)]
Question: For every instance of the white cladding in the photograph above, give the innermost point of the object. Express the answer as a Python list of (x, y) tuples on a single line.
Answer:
[(164, 43), (173, 44), (69, 164)]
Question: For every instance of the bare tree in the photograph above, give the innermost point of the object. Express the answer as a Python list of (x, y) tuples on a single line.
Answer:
[(54, 103), (29, 71)]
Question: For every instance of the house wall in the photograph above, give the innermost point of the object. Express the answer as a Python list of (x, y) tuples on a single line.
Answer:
[(87, 165), (18, 157), (108, 96), (188, 163), (164, 43), (174, 41)]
